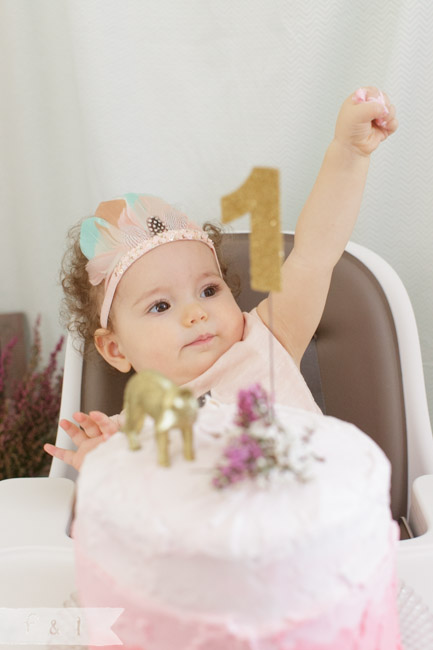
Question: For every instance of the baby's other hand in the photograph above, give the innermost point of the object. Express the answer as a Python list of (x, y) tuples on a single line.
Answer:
[(366, 119), (94, 429)]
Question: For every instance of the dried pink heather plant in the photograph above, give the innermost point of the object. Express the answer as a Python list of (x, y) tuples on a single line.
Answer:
[(28, 418), (5, 360)]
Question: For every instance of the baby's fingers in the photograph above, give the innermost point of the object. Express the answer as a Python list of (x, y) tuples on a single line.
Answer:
[(88, 424), (74, 458), (67, 455), (76, 434), (106, 425), (371, 110), (391, 126), (390, 122)]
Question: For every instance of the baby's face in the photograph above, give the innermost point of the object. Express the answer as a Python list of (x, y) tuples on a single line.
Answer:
[(174, 313)]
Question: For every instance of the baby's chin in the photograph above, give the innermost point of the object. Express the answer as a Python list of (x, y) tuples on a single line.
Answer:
[(193, 373)]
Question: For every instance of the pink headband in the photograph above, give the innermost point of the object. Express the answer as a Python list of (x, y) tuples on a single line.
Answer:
[(125, 229)]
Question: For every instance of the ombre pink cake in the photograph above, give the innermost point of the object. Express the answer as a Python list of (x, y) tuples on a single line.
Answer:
[(262, 564)]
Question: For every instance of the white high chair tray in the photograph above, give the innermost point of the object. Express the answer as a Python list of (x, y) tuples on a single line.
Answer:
[(35, 512), (33, 576)]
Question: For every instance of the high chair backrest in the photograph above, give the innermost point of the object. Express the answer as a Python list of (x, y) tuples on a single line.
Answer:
[(363, 365)]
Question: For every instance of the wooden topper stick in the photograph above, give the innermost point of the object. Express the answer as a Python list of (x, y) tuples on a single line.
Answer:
[(260, 196)]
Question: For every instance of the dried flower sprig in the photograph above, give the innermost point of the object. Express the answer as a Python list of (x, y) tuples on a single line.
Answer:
[(5, 360), (261, 447), (242, 455), (253, 404), (28, 418)]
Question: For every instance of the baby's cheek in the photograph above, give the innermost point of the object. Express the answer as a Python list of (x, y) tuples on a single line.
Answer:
[(238, 325)]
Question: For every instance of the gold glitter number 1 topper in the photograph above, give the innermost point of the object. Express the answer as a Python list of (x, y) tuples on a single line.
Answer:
[(260, 196)]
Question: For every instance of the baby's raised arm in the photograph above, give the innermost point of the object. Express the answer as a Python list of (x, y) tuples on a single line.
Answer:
[(327, 220)]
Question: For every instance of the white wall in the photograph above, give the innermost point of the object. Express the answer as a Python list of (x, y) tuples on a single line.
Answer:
[(181, 98)]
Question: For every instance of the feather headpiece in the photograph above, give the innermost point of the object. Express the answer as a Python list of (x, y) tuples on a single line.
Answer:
[(125, 229)]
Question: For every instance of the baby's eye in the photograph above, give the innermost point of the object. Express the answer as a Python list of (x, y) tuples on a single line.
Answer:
[(159, 307), (209, 291)]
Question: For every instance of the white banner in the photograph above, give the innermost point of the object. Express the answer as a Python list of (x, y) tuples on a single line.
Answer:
[(59, 626)]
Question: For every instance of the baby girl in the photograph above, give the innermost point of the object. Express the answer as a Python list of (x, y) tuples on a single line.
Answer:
[(148, 287)]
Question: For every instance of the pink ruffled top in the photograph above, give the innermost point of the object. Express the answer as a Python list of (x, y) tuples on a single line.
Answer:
[(247, 362)]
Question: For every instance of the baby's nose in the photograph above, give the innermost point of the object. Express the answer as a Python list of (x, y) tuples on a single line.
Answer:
[(194, 313)]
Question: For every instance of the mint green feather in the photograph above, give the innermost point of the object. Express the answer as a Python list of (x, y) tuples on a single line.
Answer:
[(130, 198), (90, 235)]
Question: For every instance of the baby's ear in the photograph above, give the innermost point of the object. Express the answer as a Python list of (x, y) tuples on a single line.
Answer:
[(107, 344)]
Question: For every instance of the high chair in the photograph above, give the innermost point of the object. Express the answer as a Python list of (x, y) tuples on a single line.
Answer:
[(363, 365)]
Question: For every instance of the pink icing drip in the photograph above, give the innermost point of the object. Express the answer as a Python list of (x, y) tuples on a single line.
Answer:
[(145, 626)]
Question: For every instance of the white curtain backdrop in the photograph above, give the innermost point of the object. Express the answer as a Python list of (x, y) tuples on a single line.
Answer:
[(181, 98)]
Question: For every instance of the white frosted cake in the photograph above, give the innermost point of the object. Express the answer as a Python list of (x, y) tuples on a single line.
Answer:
[(285, 560)]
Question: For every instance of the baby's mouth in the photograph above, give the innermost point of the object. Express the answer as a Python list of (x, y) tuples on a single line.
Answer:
[(201, 340)]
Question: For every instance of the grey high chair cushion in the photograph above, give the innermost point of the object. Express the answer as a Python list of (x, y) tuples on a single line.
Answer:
[(352, 366)]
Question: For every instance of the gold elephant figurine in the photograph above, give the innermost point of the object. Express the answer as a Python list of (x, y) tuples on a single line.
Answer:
[(150, 393)]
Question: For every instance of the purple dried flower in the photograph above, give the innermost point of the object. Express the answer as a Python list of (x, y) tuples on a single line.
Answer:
[(259, 450), (28, 418), (5, 360), (253, 404), (242, 454)]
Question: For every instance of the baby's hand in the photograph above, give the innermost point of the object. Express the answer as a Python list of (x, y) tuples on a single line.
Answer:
[(366, 119), (94, 429)]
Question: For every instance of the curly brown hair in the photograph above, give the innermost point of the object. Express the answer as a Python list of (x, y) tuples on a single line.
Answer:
[(81, 305)]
